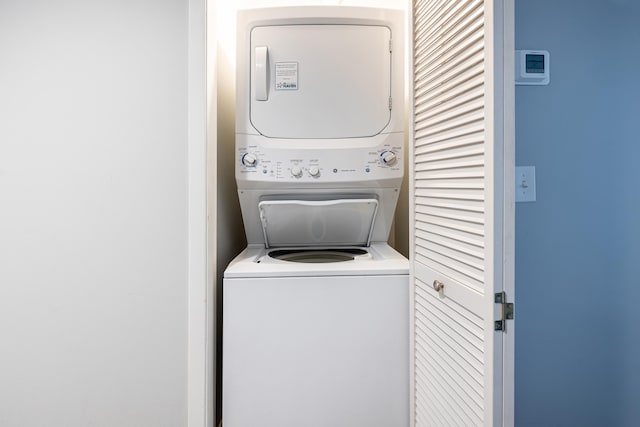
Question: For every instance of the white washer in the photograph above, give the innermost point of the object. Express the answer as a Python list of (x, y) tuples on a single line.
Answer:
[(316, 335), (316, 345), (316, 309)]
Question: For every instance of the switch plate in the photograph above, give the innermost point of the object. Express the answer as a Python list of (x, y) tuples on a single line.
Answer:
[(525, 183)]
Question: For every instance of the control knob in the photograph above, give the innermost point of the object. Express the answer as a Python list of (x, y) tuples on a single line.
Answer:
[(388, 158), (296, 171), (249, 159), (314, 171)]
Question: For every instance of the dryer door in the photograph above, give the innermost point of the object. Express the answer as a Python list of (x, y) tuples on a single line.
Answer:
[(320, 81)]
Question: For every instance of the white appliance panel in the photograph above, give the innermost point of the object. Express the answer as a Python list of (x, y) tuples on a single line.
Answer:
[(316, 351), (320, 81), (337, 162)]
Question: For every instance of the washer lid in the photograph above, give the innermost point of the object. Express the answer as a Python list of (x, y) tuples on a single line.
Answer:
[(341, 222)]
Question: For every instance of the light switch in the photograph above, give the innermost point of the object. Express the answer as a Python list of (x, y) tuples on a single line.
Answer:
[(525, 183)]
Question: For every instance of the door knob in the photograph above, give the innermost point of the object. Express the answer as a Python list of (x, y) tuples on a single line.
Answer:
[(438, 285)]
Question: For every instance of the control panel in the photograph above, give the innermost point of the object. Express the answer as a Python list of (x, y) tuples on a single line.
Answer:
[(255, 162)]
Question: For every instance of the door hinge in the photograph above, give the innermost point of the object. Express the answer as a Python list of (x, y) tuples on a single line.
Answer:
[(507, 311), (390, 103)]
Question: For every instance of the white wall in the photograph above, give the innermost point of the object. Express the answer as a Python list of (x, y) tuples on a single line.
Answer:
[(93, 213)]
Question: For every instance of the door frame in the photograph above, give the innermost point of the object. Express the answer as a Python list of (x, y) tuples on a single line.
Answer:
[(509, 158), (200, 367)]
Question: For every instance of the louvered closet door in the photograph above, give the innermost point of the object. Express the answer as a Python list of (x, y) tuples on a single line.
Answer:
[(458, 210)]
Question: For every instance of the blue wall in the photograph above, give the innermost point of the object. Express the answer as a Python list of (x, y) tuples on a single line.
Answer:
[(577, 247)]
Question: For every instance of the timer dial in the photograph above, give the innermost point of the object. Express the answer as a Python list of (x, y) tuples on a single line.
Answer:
[(249, 159), (388, 158)]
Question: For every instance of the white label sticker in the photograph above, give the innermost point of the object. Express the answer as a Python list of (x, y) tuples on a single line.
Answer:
[(286, 76)]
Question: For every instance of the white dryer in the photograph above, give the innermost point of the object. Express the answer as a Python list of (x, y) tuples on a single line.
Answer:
[(316, 309)]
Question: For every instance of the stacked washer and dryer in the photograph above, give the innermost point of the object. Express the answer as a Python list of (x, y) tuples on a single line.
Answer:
[(316, 308)]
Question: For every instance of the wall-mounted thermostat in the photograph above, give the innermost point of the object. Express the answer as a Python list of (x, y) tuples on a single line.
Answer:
[(532, 67)]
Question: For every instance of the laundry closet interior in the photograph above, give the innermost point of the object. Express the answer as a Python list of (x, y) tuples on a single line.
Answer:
[(315, 108)]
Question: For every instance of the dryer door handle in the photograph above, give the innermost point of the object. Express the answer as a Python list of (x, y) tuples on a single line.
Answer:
[(261, 76)]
